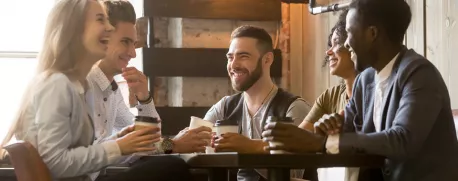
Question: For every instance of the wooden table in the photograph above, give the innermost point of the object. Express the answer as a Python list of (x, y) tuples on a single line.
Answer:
[(278, 166)]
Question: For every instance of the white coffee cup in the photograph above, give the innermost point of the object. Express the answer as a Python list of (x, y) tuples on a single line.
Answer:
[(144, 122), (225, 126), (198, 122)]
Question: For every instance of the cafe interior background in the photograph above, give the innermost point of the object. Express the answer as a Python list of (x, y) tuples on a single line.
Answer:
[(183, 37)]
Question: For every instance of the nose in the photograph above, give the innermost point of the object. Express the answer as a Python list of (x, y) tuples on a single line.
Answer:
[(132, 52), (329, 52), (346, 44), (109, 27)]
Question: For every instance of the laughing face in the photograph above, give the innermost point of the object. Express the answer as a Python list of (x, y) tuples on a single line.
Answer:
[(359, 41), (244, 63), (121, 47), (340, 62), (97, 30)]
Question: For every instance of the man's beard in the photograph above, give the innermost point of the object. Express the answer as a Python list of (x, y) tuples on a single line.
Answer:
[(252, 78)]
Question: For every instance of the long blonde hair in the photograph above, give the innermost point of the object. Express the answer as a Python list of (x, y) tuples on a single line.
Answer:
[(62, 41)]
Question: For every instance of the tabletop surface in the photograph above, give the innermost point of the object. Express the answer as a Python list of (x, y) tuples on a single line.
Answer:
[(235, 160)]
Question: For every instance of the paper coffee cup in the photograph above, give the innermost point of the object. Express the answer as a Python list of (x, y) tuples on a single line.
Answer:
[(142, 122), (198, 122), (226, 126), (272, 119), (226, 129)]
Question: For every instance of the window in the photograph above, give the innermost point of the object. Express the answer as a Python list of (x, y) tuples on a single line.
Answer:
[(21, 37), (23, 23), (16, 74)]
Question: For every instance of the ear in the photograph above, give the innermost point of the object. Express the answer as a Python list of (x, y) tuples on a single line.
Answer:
[(268, 58), (373, 33)]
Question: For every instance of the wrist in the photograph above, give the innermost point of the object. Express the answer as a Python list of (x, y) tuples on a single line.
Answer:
[(322, 144), (260, 146), (144, 98), (175, 148)]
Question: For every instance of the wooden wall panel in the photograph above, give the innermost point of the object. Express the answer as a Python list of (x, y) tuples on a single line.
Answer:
[(258, 10), (442, 41), (193, 62), (416, 35)]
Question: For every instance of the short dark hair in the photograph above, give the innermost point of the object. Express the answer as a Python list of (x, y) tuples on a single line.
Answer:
[(339, 28), (120, 11), (264, 43), (392, 15)]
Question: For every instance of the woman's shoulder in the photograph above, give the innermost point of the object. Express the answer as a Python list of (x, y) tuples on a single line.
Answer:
[(335, 90), (52, 81)]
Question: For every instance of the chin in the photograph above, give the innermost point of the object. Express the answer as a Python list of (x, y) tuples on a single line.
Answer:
[(332, 71)]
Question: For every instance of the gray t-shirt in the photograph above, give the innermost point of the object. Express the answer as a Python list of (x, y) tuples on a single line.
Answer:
[(252, 126)]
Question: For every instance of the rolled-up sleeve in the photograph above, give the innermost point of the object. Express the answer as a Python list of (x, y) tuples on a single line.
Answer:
[(53, 104)]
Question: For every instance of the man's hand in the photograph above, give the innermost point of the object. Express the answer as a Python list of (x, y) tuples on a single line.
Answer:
[(292, 138), (238, 143), (192, 140), (137, 82), (329, 124)]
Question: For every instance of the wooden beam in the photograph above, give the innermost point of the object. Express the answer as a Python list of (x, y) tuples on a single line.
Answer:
[(255, 10), (175, 119), (193, 62), (416, 35)]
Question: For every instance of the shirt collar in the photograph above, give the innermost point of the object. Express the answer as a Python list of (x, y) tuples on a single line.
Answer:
[(101, 79), (386, 71)]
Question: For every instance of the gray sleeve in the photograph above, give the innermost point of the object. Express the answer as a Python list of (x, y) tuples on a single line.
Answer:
[(298, 110), (216, 112)]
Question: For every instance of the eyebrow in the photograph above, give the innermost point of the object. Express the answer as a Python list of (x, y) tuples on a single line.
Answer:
[(240, 53), (129, 39), (100, 15)]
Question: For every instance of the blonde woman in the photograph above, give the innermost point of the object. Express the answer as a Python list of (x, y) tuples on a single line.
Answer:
[(54, 115)]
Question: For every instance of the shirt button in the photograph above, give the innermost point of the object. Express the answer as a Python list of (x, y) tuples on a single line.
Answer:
[(105, 99), (140, 109), (105, 121), (98, 115)]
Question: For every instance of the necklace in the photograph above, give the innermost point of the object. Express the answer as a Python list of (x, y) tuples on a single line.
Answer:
[(263, 101)]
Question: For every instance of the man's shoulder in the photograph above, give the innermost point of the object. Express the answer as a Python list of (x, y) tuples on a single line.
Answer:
[(366, 76), (412, 61)]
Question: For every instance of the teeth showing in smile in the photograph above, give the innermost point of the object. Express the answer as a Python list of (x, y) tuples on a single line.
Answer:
[(332, 62), (104, 41), (238, 74)]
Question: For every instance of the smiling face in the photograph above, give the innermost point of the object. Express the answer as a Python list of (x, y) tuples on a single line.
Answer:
[(359, 41), (97, 30), (121, 48), (244, 63), (340, 63)]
